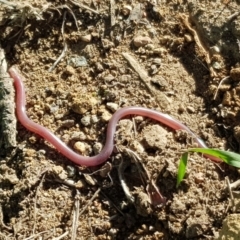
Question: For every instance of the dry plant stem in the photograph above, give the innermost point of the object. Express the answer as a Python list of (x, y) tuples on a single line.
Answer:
[(8, 119), (8, 3), (231, 17), (2, 224), (233, 205), (75, 215), (64, 48), (72, 13), (235, 184), (35, 204), (139, 70), (121, 168), (90, 201), (153, 192), (221, 82), (62, 236), (36, 235), (59, 58), (112, 12), (84, 7), (203, 50), (164, 101), (112, 203)]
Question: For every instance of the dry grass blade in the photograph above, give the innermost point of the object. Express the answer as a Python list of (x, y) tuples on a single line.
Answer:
[(84, 7), (75, 216), (90, 201), (62, 236), (160, 97)]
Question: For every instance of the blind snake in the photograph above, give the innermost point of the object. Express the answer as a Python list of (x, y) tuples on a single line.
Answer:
[(109, 144)]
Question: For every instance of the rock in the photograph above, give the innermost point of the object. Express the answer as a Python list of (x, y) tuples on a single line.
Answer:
[(86, 38), (141, 41), (112, 106), (235, 74), (126, 10), (78, 136), (60, 172), (82, 148), (106, 116), (190, 109), (86, 120), (83, 104), (97, 147), (231, 227), (154, 137)]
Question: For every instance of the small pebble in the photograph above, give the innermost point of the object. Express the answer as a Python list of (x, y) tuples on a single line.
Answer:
[(78, 136), (97, 147), (82, 148), (112, 106), (41, 152), (65, 138), (68, 123), (106, 116), (141, 41), (235, 74), (188, 38), (59, 172), (89, 180), (83, 105), (157, 61), (126, 10), (86, 120), (136, 146), (181, 108), (86, 38), (199, 177), (71, 171), (190, 109), (94, 119), (216, 65)]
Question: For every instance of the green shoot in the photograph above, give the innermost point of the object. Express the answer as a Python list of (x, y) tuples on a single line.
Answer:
[(231, 158)]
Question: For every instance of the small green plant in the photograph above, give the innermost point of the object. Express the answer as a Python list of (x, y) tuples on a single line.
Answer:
[(231, 158)]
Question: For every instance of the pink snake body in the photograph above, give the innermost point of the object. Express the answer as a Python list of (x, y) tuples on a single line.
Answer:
[(109, 144)]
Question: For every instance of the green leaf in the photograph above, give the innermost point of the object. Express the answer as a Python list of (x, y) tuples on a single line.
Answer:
[(230, 158), (182, 168)]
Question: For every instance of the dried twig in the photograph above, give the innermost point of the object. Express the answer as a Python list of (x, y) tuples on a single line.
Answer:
[(160, 97), (72, 13), (233, 205), (234, 15), (221, 82), (112, 12), (75, 216), (121, 168), (1, 220), (62, 236), (35, 203), (235, 184), (64, 48), (84, 7), (153, 192), (139, 70), (36, 235), (90, 201)]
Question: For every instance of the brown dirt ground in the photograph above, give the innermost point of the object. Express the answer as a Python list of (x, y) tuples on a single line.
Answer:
[(45, 196)]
